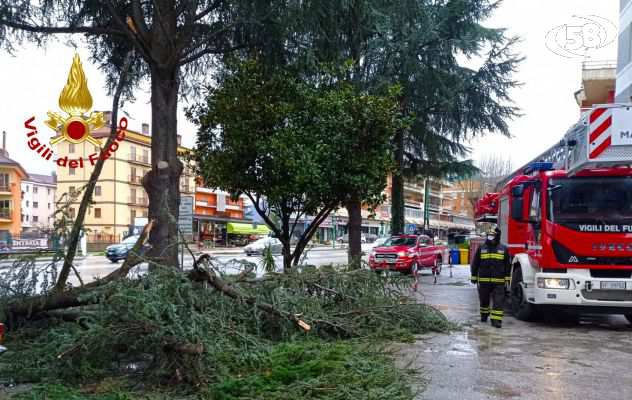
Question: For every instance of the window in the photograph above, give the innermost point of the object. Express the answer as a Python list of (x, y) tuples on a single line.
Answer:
[(133, 174), (27, 203), (534, 210), (35, 204), (48, 191), (97, 213), (34, 190), (71, 190), (27, 188), (35, 218), (27, 218), (71, 147), (145, 214), (205, 199), (145, 155), (49, 206), (71, 213), (71, 171), (97, 190), (132, 153), (132, 216)]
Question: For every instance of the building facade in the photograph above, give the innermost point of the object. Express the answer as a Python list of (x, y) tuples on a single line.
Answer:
[(38, 202), (456, 199), (214, 211), (11, 176), (441, 221), (119, 198), (624, 57)]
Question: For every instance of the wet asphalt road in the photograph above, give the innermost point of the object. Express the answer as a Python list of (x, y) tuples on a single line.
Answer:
[(588, 358), (98, 266)]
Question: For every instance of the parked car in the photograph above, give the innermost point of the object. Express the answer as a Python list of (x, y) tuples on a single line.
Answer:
[(408, 253), (345, 238), (257, 247), (120, 251), (370, 237)]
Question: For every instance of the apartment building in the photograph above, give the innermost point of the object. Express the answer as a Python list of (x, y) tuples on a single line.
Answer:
[(216, 214), (38, 202), (441, 220), (119, 198), (11, 176)]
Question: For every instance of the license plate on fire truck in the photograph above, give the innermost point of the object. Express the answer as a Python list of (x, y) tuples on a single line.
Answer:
[(612, 285)]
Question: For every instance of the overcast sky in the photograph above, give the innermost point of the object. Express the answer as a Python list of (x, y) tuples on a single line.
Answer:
[(31, 81)]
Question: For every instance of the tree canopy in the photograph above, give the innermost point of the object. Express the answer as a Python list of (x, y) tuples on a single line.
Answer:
[(302, 143)]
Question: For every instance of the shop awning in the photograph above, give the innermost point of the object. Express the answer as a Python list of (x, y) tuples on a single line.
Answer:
[(246, 229)]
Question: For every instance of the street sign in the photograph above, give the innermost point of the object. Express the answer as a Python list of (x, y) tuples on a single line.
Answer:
[(411, 228), (185, 219), (25, 244)]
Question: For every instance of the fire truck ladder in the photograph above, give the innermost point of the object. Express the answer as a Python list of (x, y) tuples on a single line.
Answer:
[(573, 152)]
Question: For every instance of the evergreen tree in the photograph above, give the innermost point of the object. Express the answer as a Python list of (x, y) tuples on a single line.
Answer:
[(176, 41)]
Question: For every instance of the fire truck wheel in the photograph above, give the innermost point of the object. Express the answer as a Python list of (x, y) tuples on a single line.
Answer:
[(522, 309), (628, 317)]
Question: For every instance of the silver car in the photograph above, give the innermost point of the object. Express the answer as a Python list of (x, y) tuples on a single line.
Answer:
[(256, 248)]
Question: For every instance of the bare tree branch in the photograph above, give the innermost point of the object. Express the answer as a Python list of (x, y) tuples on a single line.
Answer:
[(89, 30)]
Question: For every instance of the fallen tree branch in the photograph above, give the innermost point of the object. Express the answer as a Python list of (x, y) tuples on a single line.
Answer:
[(130, 262), (184, 348)]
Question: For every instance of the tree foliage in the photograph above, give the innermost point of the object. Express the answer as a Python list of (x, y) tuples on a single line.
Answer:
[(302, 143), (175, 42), (455, 73)]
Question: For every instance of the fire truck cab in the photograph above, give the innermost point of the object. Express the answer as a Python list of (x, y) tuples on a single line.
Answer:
[(567, 221)]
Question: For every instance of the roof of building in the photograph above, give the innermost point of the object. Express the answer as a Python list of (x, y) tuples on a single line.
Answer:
[(43, 179), (4, 160)]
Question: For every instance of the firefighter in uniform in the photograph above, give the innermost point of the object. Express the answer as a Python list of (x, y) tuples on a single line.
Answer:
[(491, 270)]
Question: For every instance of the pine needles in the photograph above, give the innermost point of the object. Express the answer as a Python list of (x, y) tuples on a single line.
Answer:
[(165, 328)]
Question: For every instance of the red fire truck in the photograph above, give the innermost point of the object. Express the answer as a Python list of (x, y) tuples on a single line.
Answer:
[(566, 218)]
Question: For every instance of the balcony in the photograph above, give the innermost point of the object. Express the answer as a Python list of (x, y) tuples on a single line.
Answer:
[(413, 188), (186, 188), (6, 214), (134, 179), (138, 159), (5, 189), (138, 201), (205, 204)]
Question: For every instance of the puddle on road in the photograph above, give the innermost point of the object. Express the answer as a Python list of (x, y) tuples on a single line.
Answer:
[(462, 348)]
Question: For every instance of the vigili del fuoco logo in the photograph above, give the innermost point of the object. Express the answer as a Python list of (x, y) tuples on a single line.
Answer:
[(74, 127)]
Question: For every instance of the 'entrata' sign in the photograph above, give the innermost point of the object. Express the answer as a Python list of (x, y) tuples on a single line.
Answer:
[(27, 244)]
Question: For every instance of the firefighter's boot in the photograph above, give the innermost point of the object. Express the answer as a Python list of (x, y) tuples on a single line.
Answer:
[(484, 317), (497, 323)]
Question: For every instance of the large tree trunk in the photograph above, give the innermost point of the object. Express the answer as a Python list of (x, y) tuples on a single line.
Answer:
[(354, 228), (162, 182), (397, 189)]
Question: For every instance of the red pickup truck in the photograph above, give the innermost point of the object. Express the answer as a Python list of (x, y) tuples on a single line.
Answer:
[(407, 253)]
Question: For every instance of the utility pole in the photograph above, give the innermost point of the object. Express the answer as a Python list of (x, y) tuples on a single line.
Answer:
[(426, 216), (334, 226)]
